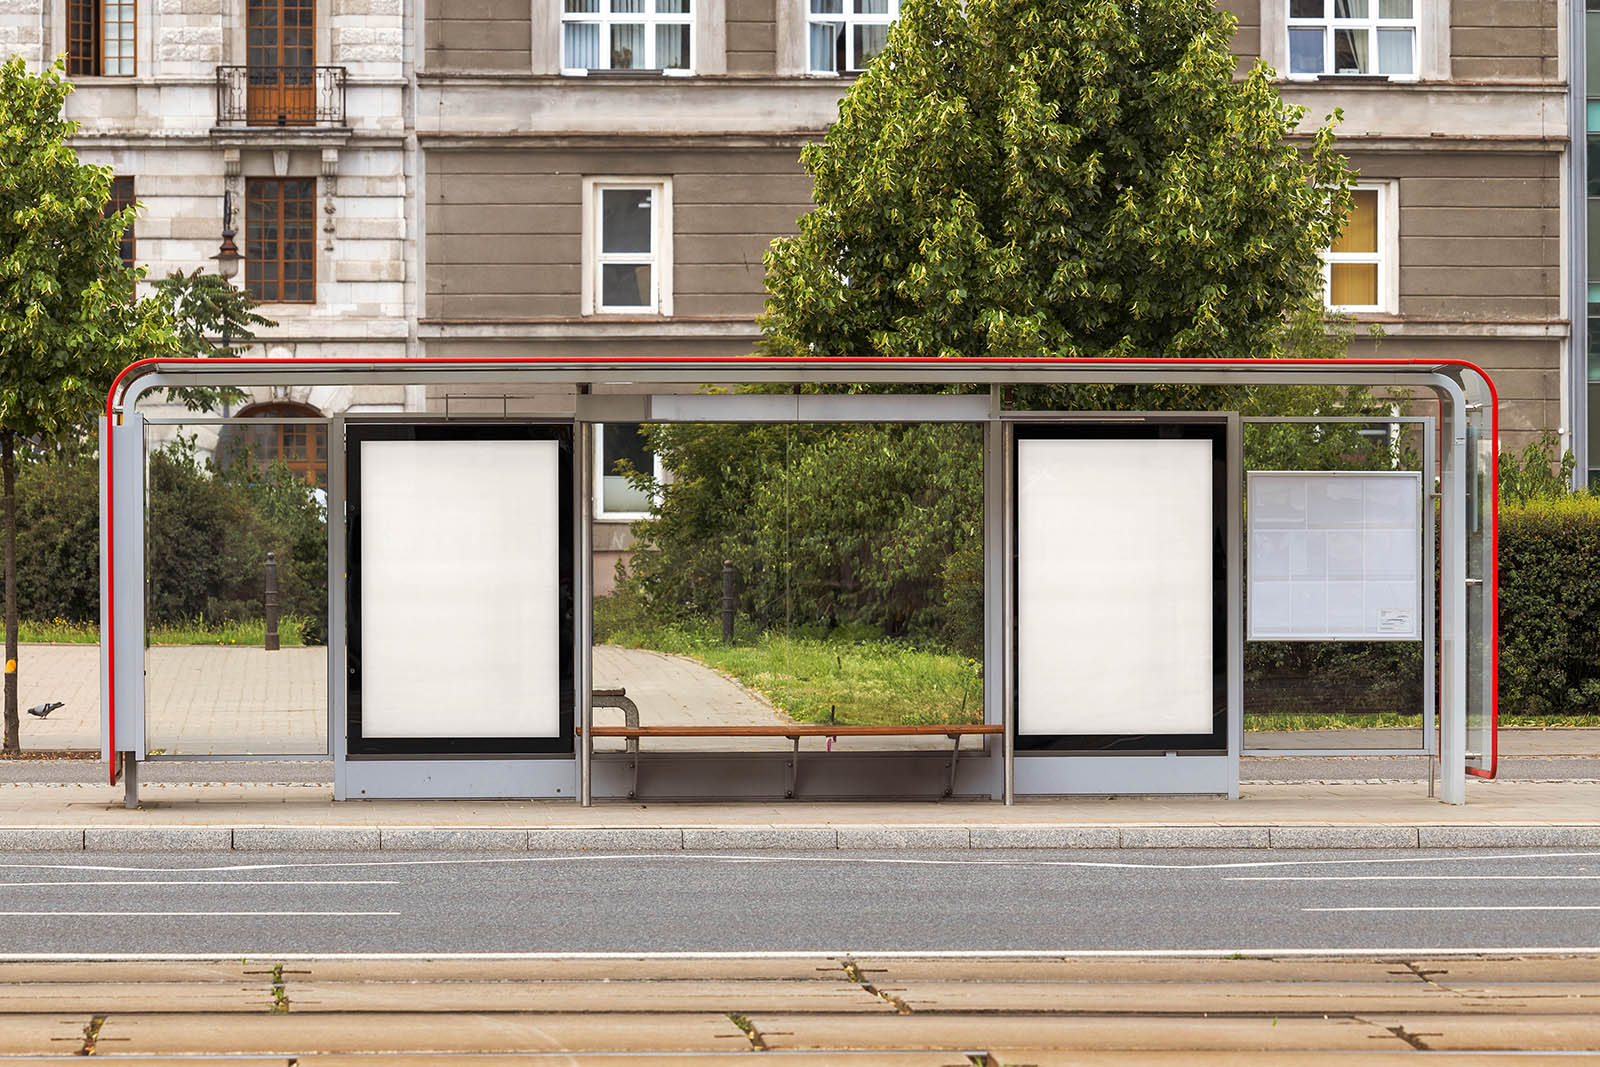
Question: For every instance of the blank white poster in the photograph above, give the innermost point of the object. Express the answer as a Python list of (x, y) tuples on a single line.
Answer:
[(1114, 586), (1335, 555), (460, 624)]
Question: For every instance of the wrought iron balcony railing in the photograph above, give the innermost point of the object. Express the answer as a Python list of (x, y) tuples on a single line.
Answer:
[(280, 96)]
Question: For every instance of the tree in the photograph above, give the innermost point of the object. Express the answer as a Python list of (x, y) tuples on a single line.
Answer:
[(70, 317), (1057, 177)]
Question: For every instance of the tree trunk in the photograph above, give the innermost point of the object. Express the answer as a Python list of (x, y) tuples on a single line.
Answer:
[(8, 486)]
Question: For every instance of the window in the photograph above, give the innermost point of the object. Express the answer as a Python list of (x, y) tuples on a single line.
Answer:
[(626, 35), (1358, 270), (122, 197), (627, 246), (1353, 37), (845, 35), (99, 37), (281, 240), (302, 447), (614, 497)]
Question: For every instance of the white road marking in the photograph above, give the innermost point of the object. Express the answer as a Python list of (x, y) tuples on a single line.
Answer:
[(1401, 953), (846, 857), (196, 914), (1468, 907), (1413, 878), (201, 881)]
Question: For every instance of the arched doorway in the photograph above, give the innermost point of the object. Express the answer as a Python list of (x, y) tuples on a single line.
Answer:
[(300, 446)]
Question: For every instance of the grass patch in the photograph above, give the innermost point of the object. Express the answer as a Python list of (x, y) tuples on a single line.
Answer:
[(849, 683), (1393, 720), (251, 632)]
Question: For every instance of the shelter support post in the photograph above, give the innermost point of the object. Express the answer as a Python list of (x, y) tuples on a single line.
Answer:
[(996, 612), (338, 663), (130, 781), (1452, 593), (584, 579)]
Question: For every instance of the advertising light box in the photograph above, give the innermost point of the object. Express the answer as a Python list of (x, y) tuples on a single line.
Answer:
[(1334, 555), (1117, 586), (459, 612)]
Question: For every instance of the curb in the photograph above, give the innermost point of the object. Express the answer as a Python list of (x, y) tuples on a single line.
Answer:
[(928, 838)]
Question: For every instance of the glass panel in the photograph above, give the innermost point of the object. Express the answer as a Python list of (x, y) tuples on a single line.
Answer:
[(1307, 9), (672, 47), (869, 41), (214, 511), (1349, 9), (627, 46), (1594, 240), (1305, 51), (672, 7), (1594, 355), (625, 285), (627, 7), (1350, 52), (582, 6), (872, 7), (625, 220), (827, 7), (1394, 9), (1592, 52), (623, 443), (1354, 285), (1480, 522), (1361, 225), (827, 46), (1394, 52), (580, 45)]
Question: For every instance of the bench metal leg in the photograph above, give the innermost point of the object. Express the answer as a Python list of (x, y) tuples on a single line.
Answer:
[(794, 767), (955, 754), (633, 788)]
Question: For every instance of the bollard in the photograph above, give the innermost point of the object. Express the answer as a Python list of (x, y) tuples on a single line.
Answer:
[(271, 641), (727, 601)]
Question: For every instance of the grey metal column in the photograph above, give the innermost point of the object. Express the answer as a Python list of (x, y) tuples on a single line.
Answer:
[(583, 445), (1007, 602), (1453, 594), (1430, 626), (338, 658), (1577, 237), (995, 707), (127, 632)]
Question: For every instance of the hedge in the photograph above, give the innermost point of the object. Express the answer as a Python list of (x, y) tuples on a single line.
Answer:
[(1550, 606)]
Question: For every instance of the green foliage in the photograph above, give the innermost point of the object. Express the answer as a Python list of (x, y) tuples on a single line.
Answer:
[(204, 306), (1550, 604), (58, 537), (1535, 473), (1057, 177), (869, 526), (69, 317)]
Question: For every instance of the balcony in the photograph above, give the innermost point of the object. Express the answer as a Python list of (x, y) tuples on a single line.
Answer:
[(289, 97)]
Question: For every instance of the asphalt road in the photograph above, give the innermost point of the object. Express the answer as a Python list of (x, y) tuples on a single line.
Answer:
[(1157, 901)]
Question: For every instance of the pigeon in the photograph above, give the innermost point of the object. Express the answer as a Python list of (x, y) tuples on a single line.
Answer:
[(42, 710)]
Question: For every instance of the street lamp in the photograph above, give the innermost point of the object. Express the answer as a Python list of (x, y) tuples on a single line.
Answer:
[(227, 256)]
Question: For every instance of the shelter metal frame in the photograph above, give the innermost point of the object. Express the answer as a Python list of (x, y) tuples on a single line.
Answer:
[(1468, 416)]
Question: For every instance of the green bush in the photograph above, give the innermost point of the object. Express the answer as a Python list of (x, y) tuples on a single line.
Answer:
[(58, 538), (1550, 605)]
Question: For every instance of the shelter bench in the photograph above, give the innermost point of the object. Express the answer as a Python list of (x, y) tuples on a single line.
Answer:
[(633, 732)]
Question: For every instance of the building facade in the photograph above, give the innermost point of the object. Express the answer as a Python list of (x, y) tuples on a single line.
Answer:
[(572, 177)]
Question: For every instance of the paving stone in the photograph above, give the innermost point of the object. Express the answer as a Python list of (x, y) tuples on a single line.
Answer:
[(41, 839), (1344, 837), (1046, 837), (449, 839), (912, 837), (1195, 837), (157, 838), (800, 838), (306, 838)]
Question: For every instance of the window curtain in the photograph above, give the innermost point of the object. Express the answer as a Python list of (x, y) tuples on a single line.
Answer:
[(824, 40), (672, 47), (1394, 52), (581, 45)]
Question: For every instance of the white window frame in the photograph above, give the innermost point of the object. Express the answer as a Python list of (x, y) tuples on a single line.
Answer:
[(659, 258), (602, 468), (649, 19), (850, 19), (1387, 256), (1328, 23)]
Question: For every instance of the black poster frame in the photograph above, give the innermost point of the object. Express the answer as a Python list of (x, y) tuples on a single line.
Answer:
[(1214, 430), (563, 742)]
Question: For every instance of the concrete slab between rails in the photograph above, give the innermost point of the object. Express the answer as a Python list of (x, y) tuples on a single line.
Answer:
[(881, 837)]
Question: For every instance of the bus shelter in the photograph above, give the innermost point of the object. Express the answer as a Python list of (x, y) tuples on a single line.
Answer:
[(1127, 557)]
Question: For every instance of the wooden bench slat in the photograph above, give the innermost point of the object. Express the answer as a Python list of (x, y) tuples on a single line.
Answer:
[(794, 731)]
